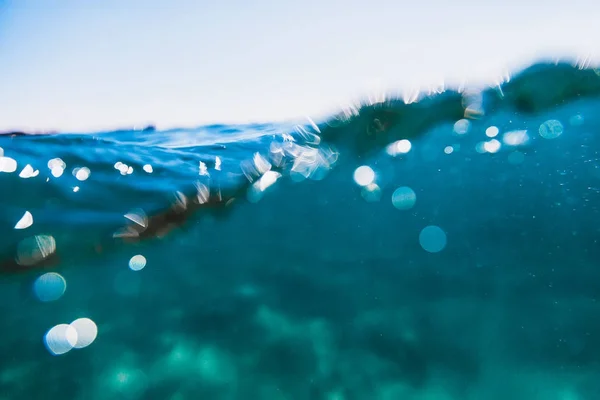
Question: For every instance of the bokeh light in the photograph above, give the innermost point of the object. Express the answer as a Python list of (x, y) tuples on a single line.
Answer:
[(364, 175), (432, 239), (492, 131), (87, 331), (8, 165), (399, 147), (492, 146), (371, 192), (33, 250), (551, 129), (25, 222), (137, 263), (28, 172), (57, 167), (462, 126), (81, 174), (515, 138), (60, 339), (404, 198), (49, 287)]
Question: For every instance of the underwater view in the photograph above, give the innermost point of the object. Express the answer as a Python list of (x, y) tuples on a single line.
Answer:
[(442, 245)]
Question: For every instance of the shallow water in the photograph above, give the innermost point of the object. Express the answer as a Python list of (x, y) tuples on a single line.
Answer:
[(464, 267)]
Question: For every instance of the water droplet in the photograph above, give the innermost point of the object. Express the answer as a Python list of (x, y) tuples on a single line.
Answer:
[(148, 168)]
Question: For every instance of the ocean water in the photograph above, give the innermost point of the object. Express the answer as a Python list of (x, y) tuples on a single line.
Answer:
[(434, 247)]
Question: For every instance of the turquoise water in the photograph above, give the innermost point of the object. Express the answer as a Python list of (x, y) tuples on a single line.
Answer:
[(447, 248)]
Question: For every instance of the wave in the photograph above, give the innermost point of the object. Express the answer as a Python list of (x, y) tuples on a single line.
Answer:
[(438, 245), (209, 168)]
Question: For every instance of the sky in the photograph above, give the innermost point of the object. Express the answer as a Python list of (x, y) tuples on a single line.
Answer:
[(100, 64)]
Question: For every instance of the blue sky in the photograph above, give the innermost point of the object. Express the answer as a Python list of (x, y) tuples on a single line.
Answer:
[(97, 64)]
